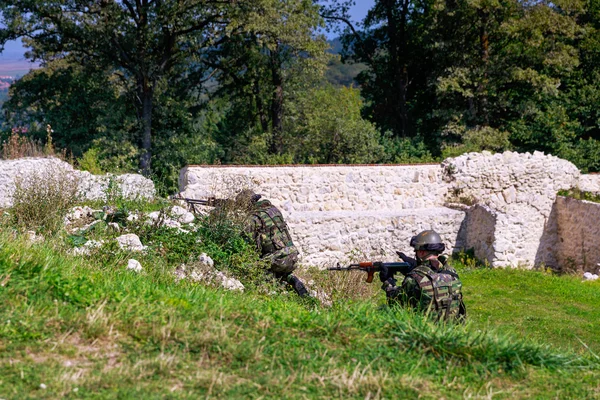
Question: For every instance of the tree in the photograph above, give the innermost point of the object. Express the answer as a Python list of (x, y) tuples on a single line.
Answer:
[(398, 64), (329, 129), (275, 52), (80, 104), (146, 42)]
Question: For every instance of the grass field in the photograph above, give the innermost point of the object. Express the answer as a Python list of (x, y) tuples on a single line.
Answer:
[(76, 328)]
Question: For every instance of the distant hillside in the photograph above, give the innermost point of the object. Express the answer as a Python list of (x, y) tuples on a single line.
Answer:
[(5, 82), (335, 46), (339, 73)]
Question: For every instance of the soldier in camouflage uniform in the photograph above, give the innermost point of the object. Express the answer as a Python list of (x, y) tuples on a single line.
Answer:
[(267, 229), (432, 286)]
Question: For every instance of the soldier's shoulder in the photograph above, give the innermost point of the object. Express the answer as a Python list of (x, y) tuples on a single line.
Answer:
[(264, 204)]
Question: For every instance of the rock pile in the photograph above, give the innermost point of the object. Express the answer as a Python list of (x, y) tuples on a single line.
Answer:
[(204, 271)]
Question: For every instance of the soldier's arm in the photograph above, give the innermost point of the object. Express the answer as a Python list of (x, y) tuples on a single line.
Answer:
[(251, 232), (399, 294)]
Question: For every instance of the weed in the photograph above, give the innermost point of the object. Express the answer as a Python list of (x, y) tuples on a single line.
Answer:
[(89, 162), (466, 260), (18, 145), (457, 195), (341, 285), (579, 194), (42, 198)]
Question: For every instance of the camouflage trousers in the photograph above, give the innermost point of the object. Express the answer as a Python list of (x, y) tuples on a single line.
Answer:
[(283, 261)]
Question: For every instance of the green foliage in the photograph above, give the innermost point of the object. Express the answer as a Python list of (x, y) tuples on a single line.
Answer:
[(405, 150), (327, 128), (89, 162), (471, 75), (476, 140), (578, 194), (81, 104), (341, 74)]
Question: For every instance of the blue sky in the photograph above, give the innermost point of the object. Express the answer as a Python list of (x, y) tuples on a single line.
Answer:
[(13, 62)]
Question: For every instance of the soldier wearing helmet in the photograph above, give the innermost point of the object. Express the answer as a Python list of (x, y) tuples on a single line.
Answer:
[(432, 286), (266, 228)]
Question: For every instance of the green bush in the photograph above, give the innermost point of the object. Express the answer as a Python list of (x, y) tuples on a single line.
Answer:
[(90, 162), (326, 127)]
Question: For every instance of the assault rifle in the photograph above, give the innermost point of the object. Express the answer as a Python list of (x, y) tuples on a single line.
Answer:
[(370, 267), (210, 202)]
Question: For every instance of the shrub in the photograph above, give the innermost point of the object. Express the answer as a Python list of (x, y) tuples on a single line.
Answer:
[(42, 198), (478, 139), (579, 194), (90, 162)]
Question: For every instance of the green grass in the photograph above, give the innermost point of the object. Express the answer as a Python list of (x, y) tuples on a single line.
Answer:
[(560, 310), (91, 330)]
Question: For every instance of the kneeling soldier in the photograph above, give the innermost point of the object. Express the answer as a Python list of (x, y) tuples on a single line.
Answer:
[(267, 229), (432, 286)]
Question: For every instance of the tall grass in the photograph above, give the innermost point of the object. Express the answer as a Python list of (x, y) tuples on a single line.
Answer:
[(41, 199), (78, 324)]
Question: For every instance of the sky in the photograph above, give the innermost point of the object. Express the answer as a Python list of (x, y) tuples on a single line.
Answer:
[(13, 62)]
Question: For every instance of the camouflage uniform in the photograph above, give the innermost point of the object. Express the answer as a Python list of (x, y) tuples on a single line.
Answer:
[(437, 292), (269, 231)]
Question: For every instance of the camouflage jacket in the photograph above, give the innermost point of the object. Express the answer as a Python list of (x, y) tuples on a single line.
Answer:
[(266, 227), (431, 290)]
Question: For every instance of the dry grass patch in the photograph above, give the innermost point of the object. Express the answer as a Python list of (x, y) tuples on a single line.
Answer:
[(42, 198)]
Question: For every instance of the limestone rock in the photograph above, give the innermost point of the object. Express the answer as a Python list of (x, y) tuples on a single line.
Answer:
[(34, 237), (130, 242), (87, 248), (90, 187), (203, 271), (134, 265), (588, 276)]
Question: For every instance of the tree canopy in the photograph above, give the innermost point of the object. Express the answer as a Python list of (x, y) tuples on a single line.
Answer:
[(170, 82)]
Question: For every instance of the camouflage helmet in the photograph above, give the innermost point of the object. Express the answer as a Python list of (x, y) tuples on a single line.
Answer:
[(428, 241), (247, 196)]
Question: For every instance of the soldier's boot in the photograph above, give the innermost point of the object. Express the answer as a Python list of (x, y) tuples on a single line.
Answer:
[(297, 285)]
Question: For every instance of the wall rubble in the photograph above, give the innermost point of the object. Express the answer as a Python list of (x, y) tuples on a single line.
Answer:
[(91, 187)]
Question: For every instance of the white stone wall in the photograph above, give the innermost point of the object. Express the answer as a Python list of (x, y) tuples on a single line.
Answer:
[(337, 211), (522, 189), (325, 238), (324, 188), (578, 247), (342, 213), (91, 187), (480, 232)]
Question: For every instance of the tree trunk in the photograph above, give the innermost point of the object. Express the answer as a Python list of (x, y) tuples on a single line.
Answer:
[(398, 68), (277, 111), (260, 108), (484, 49), (146, 118)]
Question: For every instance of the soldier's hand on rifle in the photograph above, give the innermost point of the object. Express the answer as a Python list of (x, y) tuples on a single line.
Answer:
[(384, 273)]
